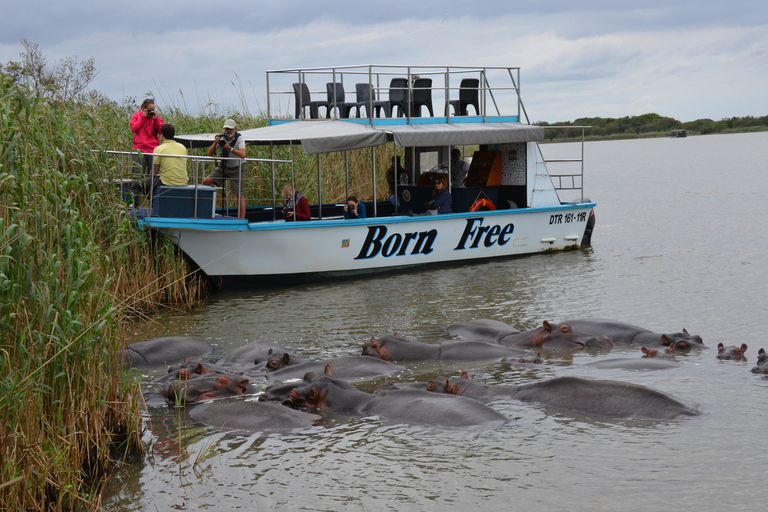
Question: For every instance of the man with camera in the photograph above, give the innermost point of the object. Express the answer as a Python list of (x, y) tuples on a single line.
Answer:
[(354, 209), (145, 125), (232, 167)]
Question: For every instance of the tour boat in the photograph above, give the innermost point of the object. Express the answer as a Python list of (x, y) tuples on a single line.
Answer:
[(508, 205)]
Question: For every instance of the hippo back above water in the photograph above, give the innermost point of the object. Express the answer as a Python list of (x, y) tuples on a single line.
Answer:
[(627, 334)]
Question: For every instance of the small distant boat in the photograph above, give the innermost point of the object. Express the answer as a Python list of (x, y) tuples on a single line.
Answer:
[(508, 205), (677, 134)]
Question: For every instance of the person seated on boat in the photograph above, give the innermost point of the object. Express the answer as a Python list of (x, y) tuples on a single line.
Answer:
[(354, 209), (459, 168), (168, 171), (441, 201), (295, 205), (396, 169), (232, 168), (145, 126)]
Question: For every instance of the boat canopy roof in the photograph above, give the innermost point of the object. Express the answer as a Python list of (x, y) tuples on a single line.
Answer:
[(331, 136)]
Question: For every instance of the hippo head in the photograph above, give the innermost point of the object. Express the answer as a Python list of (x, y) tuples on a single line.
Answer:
[(437, 385), (732, 352), (375, 349), (225, 385), (537, 359), (669, 352), (279, 362), (683, 340), (323, 392), (562, 336), (762, 362)]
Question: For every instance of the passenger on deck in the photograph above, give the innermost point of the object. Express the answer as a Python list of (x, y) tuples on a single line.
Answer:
[(459, 169), (232, 168), (145, 126), (441, 201), (354, 209), (168, 171), (396, 169), (295, 205)]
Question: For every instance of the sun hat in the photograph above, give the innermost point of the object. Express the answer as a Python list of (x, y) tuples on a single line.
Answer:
[(230, 123)]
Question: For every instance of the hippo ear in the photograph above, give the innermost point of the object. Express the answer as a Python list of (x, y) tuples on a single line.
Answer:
[(199, 369), (671, 348), (645, 350), (286, 358), (432, 385), (312, 395), (328, 370), (665, 339), (546, 325), (169, 370), (375, 344), (720, 347), (685, 330), (270, 351), (761, 352), (743, 347), (464, 375)]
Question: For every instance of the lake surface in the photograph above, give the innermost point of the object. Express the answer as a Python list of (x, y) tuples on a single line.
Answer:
[(680, 242)]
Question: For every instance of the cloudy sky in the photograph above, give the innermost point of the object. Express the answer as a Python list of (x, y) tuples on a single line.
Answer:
[(681, 58)]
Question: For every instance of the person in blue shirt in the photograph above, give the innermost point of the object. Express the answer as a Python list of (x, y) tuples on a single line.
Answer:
[(441, 201), (354, 209)]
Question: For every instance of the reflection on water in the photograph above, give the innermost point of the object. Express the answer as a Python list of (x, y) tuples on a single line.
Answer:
[(678, 243)]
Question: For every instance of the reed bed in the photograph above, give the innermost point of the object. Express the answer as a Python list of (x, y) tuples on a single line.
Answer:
[(72, 270)]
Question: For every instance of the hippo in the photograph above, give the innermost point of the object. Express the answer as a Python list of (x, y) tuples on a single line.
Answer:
[(640, 363), (252, 416), (256, 353), (627, 334), (163, 351), (346, 367), (411, 406), (668, 353), (483, 329), (189, 369), (393, 348), (762, 362), (731, 352), (606, 398), (560, 336), (206, 387)]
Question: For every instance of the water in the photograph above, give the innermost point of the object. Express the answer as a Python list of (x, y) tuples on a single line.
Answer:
[(679, 242)]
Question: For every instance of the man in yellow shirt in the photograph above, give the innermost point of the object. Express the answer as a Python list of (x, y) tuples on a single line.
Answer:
[(167, 170)]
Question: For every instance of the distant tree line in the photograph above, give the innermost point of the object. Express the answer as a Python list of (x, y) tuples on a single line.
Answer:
[(649, 124)]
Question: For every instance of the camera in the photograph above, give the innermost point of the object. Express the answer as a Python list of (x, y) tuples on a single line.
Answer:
[(223, 139), (351, 207), (151, 112)]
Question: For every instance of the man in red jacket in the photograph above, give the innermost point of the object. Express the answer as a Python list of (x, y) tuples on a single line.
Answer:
[(145, 126)]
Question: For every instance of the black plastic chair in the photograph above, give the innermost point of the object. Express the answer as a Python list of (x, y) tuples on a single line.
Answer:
[(422, 96), (366, 97), (303, 99), (398, 96), (338, 103), (468, 95)]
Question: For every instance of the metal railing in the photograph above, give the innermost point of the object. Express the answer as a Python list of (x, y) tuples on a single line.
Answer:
[(573, 180), (501, 99)]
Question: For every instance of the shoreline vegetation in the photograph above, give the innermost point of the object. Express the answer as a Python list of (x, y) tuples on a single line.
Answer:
[(645, 126), (75, 273)]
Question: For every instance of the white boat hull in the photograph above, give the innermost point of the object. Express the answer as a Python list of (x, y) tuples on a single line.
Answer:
[(232, 250)]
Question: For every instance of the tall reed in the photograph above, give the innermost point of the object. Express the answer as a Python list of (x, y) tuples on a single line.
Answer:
[(72, 268)]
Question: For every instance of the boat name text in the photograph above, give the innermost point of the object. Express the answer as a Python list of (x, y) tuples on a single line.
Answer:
[(421, 242)]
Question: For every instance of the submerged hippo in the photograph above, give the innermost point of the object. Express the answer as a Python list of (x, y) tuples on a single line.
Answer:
[(393, 348), (207, 387), (762, 362), (346, 367), (412, 406), (599, 397), (627, 334), (190, 369), (256, 353), (483, 329), (251, 416), (731, 352), (668, 353), (163, 351), (559, 336)]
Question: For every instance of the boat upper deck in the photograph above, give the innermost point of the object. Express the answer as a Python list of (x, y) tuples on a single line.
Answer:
[(384, 95)]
